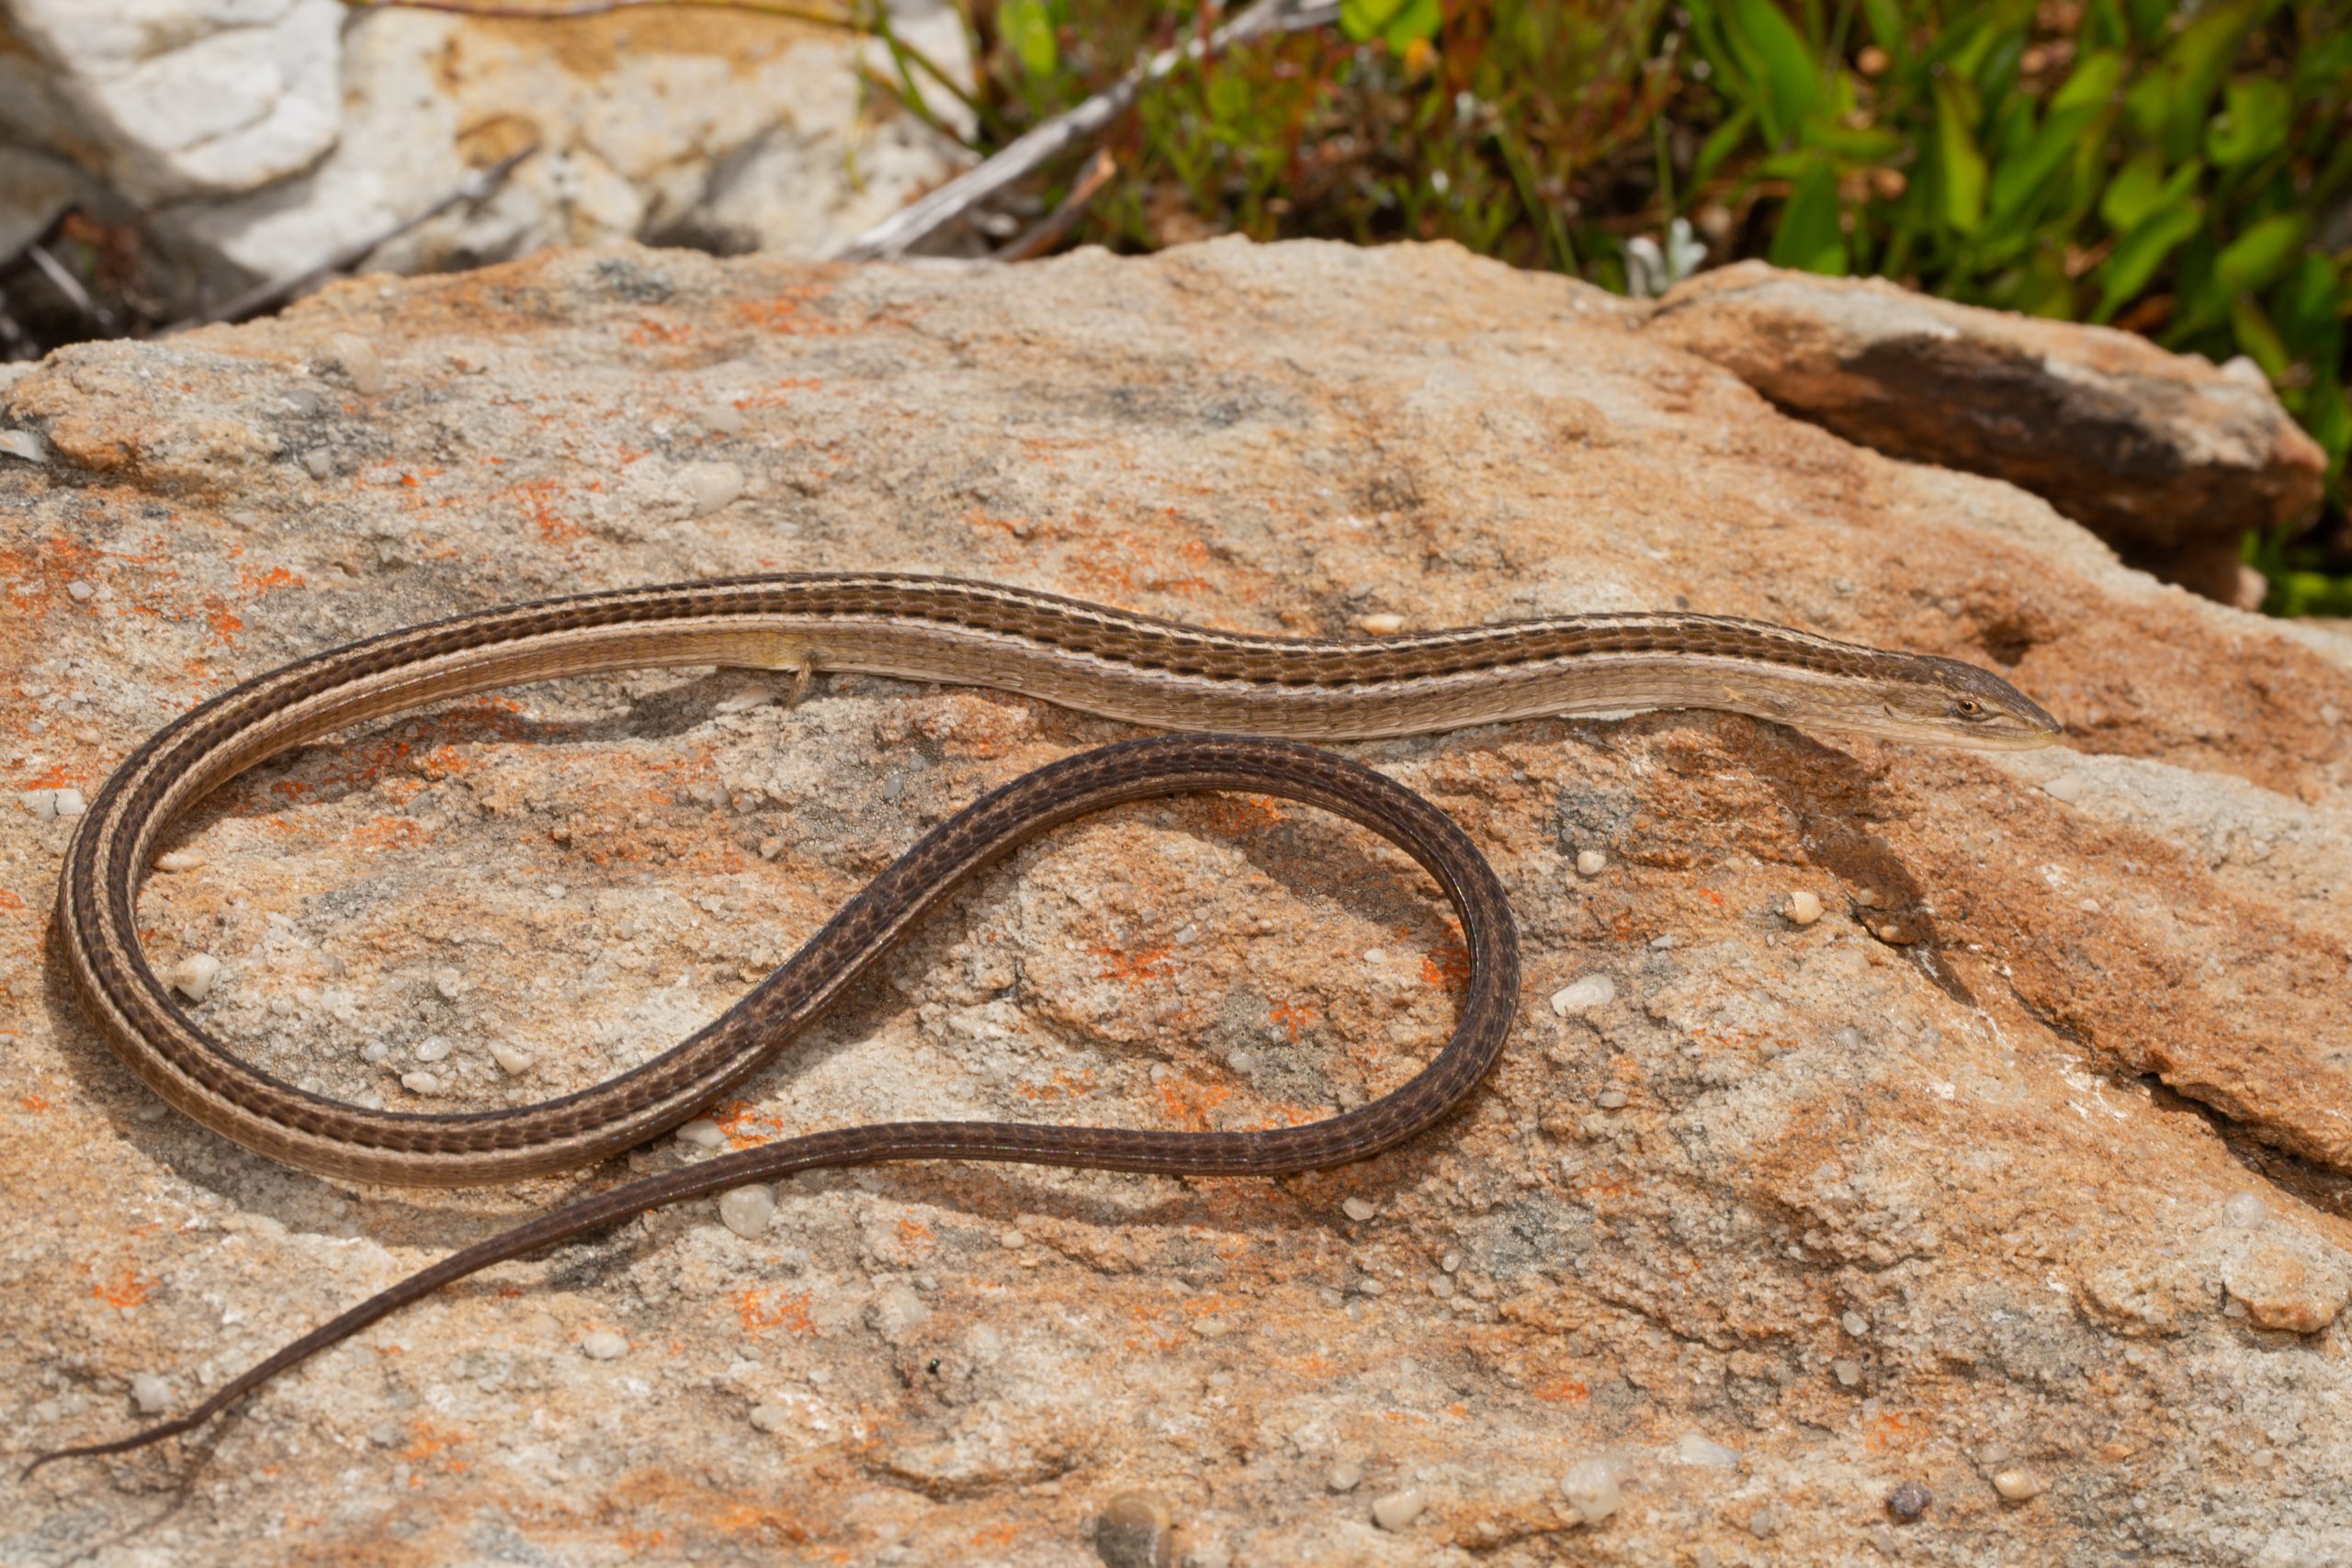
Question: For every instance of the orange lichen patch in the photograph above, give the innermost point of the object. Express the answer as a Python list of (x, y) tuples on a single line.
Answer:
[(276, 577), (32, 1102), (913, 1232), (383, 833), (783, 312), (1064, 1085), (996, 1538), (225, 622), (744, 1125), (127, 1288), (1237, 816), (648, 330), (760, 1309), (1562, 1391), (537, 501), (778, 394), (1187, 1104), (1292, 1015), (1896, 1432), (1134, 969), (1448, 966)]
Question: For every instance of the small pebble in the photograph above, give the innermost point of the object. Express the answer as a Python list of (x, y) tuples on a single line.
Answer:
[(195, 975), (432, 1048), (1590, 1487), (1397, 1510), (1583, 996), (1696, 1448), (361, 364), (151, 1393), (375, 1051), (1357, 1209), (603, 1345), (80, 591), (28, 445), (1012, 1241), (723, 419), (1856, 1324), (1344, 1476), (710, 486), (746, 1210), (1661, 944), (1909, 1500), (178, 860), (1849, 1370), (1612, 1100), (317, 463), (771, 848), (1763, 1524), (2245, 1211), (2067, 788), (421, 1082), (1385, 624), (702, 1134), (68, 803), (512, 1062), (1591, 862), (2018, 1484), (1803, 909), (771, 1418), (1135, 1529)]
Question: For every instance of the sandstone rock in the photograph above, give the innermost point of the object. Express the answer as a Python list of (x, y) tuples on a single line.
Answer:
[(2167, 457), (2016, 1150)]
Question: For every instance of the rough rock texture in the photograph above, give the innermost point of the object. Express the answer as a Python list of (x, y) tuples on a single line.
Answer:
[(1995, 1215), (168, 98), (2168, 457), (740, 131)]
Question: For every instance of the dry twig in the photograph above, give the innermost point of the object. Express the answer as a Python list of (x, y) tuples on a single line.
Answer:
[(927, 214)]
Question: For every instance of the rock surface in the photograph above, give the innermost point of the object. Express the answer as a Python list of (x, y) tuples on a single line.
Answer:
[(2170, 459), (2014, 1176), (738, 131)]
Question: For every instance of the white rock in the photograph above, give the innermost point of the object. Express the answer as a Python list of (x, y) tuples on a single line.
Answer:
[(29, 444), (2018, 1484), (173, 98), (1591, 1486), (710, 486), (514, 1063), (69, 803), (1397, 1510), (603, 1345), (702, 1134), (771, 1418), (2067, 788), (746, 1210), (361, 364), (179, 860), (421, 1082), (1802, 907), (194, 976), (151, 1393), (1583, 996), (1385, 624), (1358, 1209), (1696, 1448), (1591, 862)]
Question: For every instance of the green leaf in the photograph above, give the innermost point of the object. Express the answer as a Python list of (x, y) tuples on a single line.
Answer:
[(2262, 254), (1887, 29), (2306, 308), (1811, 237), (2136, 191), (1028, 26), (2078, 107), (1867, 144), (2251, 125), (2258, 339), (1395, 22), (2129, 267), (1962, 167), (1722, 143), (2329, 419), (1791, 78), (2168, 103)]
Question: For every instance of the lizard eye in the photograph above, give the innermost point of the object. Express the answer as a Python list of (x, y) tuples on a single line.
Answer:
[(1968, 708)]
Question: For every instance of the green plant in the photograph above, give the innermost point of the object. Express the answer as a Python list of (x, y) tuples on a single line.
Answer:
[(2182, 171)]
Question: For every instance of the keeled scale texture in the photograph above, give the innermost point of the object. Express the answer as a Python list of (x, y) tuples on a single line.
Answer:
[(2027, 1156)]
